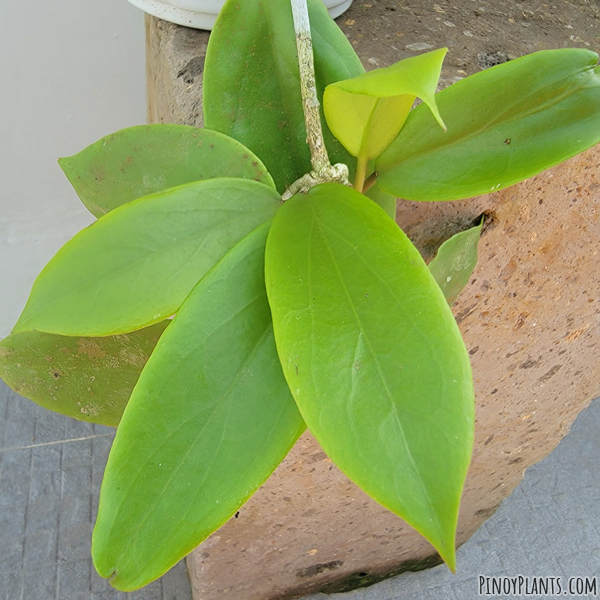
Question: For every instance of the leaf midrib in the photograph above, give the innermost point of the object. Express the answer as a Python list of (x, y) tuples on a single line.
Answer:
[(491, 125), (381, 376), (218, 404), (130, 265)]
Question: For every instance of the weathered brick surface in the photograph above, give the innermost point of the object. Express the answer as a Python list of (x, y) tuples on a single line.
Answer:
[(50, 474)]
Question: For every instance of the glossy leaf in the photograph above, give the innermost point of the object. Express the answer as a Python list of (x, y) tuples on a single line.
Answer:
[(137, 264), (505, 124), (383, 199), (389, 399), (146, 159), (89, 379), (252, 83), (208, 422), (367, 112), (455, 261)]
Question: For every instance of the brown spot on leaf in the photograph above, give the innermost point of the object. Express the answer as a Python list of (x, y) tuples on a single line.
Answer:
[(131, 357), (90, 348)]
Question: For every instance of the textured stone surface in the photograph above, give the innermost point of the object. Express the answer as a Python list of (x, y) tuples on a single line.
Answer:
[(50, 473), (175, 63), (529, 318)]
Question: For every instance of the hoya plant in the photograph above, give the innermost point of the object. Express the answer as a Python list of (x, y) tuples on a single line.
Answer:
[(248, 280)]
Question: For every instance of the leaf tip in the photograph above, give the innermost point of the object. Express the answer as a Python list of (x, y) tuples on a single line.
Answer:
[(441, 51), (64, 162), (451, 561), (118, 584), (436, 113), (105, 565), (448, 555), (429, 101)]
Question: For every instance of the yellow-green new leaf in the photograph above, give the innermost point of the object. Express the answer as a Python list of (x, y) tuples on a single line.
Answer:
[(136, 265), (372, 355), (367, 112), (89, 379), (142, 160), (209, 420), (455, 261), (505, 124)]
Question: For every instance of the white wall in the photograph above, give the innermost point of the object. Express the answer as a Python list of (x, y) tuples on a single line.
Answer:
[(71, 71)]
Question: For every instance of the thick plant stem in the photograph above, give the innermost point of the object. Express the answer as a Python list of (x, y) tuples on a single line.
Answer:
[(322, 171), (314, 132)]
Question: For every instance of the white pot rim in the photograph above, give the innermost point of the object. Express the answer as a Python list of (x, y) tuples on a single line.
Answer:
[(197, 19)]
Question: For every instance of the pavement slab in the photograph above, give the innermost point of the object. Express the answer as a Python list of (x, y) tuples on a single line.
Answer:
[(50, 473)]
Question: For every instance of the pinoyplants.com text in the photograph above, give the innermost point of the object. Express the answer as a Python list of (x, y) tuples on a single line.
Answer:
[(521, 585)]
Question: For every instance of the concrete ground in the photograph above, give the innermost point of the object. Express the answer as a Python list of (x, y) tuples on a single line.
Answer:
[(50, 472)]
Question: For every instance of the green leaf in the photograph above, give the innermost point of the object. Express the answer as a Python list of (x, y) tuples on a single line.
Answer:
[(367, 112), (252, 83), (208, 422), (455, 261), (505, 124), (89, 379), (372, 355), (146, 159), (385, 200), (136, 265)]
